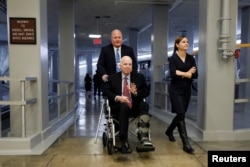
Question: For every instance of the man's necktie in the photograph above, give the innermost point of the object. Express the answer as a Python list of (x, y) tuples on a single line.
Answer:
[(126, 91), (117, 59)]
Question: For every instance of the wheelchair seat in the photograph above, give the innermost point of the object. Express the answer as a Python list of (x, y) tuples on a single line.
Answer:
[(110, 133)]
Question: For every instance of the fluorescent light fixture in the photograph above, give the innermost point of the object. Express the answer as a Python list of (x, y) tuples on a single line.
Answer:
[(144, 57), (195, 48), (94, 36)]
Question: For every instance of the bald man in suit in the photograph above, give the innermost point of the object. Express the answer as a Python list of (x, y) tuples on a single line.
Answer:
[(107, 63)]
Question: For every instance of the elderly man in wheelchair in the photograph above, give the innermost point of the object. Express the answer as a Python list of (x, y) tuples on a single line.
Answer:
[(126, 91)]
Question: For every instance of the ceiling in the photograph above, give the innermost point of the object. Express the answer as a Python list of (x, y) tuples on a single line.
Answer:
[(102, 16)]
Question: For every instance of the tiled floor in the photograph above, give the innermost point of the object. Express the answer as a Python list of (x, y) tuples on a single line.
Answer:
[(77, 147)]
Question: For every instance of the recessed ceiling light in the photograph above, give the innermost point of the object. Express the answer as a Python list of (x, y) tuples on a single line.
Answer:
[(95, 35)]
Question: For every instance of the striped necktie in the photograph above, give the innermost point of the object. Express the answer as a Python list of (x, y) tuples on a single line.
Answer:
[(126, 92)]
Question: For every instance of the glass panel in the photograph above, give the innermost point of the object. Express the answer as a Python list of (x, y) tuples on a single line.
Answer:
[(242, 90), (53, 109), (241, 116)]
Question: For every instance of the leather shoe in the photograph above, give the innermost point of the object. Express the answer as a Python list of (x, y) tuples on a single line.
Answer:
[(170, 136), (125, 148)]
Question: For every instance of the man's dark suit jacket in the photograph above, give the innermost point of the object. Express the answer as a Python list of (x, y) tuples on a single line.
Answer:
[(106, 63), (114, 87)]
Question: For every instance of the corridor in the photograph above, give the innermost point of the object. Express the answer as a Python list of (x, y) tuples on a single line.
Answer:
[(77, 147)]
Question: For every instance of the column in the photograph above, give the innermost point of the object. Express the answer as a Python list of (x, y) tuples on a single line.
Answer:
[(67, 44), (89, 64), (190, 37), (66, 41), (29, 60), (216, 75), (159, 47), (133, 36)]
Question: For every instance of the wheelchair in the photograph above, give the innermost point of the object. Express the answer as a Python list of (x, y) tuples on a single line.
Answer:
[(110, 134)]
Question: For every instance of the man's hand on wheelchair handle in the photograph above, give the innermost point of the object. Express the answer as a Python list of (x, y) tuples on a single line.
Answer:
[(105, 78)]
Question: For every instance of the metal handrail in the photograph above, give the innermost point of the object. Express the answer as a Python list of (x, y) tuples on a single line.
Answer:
[(26, 101), (23, 102), (60, 95)]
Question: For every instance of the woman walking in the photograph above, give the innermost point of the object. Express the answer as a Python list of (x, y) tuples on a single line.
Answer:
[(183, 70)]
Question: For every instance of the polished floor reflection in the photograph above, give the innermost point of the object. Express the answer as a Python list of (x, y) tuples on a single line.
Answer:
[(77, 147)]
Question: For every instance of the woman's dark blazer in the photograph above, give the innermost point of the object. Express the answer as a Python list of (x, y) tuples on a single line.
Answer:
[(114, 87), (106, 63), (180, 88)]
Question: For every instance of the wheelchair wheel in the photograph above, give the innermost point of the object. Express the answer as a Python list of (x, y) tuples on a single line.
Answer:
[(104, 139), (109, 146)]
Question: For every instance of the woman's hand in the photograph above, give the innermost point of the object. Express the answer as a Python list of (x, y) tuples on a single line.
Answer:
[(187, 74), (192, 70)]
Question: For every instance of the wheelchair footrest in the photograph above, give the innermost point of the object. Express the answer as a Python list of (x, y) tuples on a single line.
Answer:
[(145, 146)]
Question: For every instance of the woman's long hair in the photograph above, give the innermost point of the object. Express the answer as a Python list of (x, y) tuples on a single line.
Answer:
[(177, 41)]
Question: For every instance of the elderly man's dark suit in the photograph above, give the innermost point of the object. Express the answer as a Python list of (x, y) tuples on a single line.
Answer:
[(107, 64), (121, 110)]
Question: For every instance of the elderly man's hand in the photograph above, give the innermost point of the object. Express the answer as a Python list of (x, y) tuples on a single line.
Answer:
[(133, 89)]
